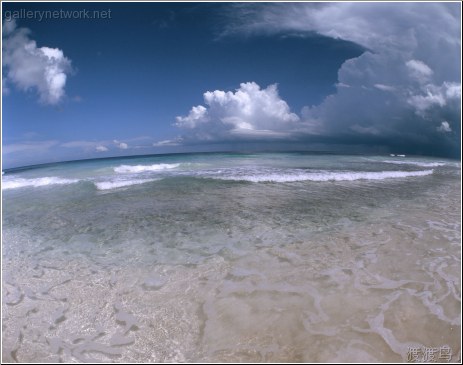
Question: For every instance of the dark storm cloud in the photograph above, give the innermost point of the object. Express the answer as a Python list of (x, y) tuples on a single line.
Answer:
[(403, 92)]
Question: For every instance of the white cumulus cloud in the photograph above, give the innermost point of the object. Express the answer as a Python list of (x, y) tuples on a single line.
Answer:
[(435, 96), (29, 67), (121, 145), (248, 113), (444, 127), (419, 70), (101, 148)]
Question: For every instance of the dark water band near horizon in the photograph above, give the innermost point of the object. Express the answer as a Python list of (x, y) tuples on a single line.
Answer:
[(275, 257)]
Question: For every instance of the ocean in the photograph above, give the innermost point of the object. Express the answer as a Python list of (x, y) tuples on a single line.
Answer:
[(220, 257)]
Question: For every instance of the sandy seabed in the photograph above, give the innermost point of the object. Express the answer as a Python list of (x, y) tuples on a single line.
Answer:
[(385, 289)]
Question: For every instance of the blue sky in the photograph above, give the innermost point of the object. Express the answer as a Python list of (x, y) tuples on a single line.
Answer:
[(157, 78)]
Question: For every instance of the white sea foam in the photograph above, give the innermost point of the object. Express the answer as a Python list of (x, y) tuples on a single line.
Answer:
[(325, 176), (14, 183), (144, 168), (417, 163), (107, 185)]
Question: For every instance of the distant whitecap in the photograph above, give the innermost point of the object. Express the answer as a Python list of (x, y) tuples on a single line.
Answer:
[(144, 168)]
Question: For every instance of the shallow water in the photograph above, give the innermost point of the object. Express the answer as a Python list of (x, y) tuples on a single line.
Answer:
[(221, 257)]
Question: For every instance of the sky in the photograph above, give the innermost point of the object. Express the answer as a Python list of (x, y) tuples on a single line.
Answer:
[(147, 78)]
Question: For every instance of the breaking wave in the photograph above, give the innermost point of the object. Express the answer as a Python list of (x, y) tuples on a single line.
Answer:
[(15, 183), (417, 163), (324, 176), (107, 185)]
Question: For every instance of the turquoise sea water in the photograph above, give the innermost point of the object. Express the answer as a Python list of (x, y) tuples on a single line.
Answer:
[(231, 257)]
